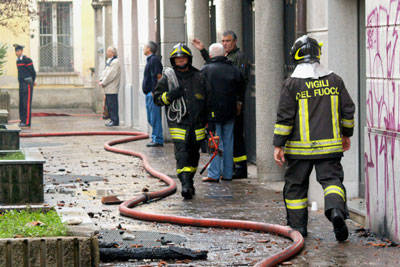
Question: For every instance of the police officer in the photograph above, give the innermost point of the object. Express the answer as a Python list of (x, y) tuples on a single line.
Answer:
[(183, 91), (26, 79), (238, 59), (315, 121)]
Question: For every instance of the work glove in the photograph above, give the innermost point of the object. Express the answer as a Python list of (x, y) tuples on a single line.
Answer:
[(175, 93)]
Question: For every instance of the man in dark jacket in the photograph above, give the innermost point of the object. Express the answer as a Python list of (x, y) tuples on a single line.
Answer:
[(26, 79), (238, 59), (314, 124), (152, 73), (183, 91), (225, 85)]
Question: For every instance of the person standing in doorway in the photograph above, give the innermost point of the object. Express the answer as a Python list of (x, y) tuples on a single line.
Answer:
[(238, 59), (224, 88), (26, 79), (152, 73), (110, 82)]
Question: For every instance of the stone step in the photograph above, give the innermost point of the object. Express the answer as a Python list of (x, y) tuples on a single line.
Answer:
[(357, 210)]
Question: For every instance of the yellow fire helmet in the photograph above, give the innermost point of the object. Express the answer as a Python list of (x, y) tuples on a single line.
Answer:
[(180, 50)]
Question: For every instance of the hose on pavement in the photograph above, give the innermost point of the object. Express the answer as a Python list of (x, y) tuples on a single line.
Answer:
[(127, 207)]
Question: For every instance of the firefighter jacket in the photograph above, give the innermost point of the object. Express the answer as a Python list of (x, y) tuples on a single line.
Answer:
[(26, 71), (195, 97), (225, 86), (313, 115)]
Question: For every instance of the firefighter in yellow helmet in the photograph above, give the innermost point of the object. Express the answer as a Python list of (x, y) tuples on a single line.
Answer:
[(315, 121), (182, 89)]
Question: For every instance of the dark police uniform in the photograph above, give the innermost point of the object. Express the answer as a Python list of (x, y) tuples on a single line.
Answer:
[(313, 115), (187, 134), (239, 60), (26, 79)]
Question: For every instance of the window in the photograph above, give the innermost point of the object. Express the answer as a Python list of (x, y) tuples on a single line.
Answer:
[(56, 52)]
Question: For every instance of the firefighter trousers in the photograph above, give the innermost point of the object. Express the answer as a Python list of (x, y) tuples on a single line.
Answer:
[(239, 147), (25, 102), (187, 153), (329, 174)]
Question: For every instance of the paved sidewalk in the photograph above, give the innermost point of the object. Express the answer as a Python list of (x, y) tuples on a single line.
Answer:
[(79, 158)]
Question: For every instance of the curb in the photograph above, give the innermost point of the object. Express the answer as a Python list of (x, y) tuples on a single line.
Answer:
[(357, 216)]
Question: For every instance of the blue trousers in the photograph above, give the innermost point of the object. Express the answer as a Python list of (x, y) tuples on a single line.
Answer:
[(223, 165), (154, 119)]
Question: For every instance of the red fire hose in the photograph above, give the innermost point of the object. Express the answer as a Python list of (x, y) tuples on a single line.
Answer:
[(126, 208)]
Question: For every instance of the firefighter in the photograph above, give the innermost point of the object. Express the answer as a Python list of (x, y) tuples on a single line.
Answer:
[(26, 79), (183, 91), (238, 59), (315, 121)]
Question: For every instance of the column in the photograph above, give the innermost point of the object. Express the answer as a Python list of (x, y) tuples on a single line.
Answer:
[(107, 11), (229, 17), (99, 54), (172, 16), (343, 44), (198, 26), (269, 76)]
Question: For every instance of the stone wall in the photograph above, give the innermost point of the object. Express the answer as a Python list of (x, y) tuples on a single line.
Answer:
[(50, 251), (382, 132)]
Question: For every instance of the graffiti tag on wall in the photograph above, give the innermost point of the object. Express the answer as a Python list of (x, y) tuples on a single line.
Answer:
[(382, 141)]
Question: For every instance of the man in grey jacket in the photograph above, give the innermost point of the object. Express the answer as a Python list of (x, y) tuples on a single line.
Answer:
[(110, 81)]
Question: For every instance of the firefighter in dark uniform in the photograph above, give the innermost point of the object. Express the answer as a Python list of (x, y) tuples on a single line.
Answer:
[(315, 121), (26, 79), (238, 59), (183, 91)]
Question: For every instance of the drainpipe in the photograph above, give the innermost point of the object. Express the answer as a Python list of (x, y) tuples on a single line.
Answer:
[(301, 18)]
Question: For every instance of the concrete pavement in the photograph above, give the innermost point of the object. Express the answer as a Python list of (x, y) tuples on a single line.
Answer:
[(249, 199)]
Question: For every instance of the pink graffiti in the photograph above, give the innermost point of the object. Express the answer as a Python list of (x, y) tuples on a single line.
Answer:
[(383, 105)]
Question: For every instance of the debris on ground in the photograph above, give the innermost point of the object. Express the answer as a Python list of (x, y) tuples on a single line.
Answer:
[(111, 200), (164, 253)]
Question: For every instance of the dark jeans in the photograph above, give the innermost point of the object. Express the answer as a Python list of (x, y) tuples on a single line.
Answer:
[(112, 107)]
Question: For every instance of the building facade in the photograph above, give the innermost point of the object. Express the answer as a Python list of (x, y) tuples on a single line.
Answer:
[(60, 41), (360, 44)]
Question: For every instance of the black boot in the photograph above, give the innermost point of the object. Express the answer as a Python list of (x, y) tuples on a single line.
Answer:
[(186, 179), (301, 229), (240, 170), (339, 225)]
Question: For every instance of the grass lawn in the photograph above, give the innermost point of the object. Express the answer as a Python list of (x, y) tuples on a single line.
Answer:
[(12, 156), (28, 223)]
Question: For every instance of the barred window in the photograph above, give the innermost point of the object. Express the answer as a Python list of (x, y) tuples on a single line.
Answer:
[(56, 51)]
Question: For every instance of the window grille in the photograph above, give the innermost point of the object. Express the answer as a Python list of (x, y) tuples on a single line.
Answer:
[(56, 51)]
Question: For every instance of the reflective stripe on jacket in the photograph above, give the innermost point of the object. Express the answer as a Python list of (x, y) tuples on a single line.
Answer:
[(312, 117)]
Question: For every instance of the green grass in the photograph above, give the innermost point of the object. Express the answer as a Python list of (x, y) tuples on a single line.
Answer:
[(12, 156), (19, 224)]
